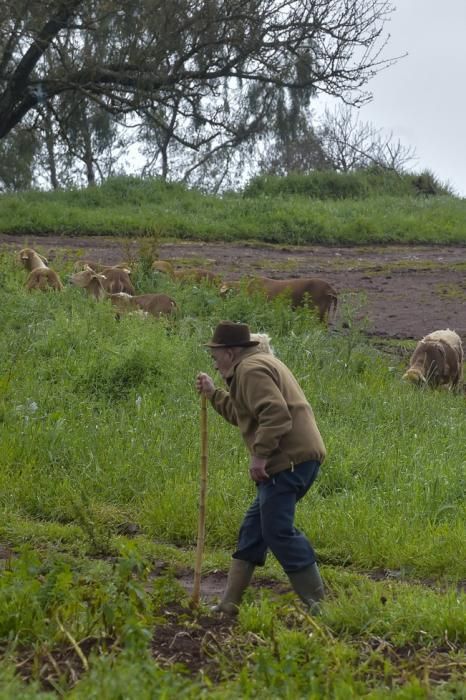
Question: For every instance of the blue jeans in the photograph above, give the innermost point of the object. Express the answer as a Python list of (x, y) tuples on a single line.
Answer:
[(268, 523)]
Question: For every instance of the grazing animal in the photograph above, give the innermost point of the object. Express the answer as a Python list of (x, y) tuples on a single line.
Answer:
[(197, 274), (152, 304), (165, 267), (31, 260), (43, 279), (264, 342), (91, 281), (437, 360), (117, 280), (99, 267), (112, 281), (40, 276), (319, 292)]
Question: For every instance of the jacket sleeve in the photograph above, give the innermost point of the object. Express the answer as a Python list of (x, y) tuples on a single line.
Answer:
[(222, 403), (266, 403)]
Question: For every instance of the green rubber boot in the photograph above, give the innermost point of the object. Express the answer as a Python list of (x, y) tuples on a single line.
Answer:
[(307, 583), (239, 578)]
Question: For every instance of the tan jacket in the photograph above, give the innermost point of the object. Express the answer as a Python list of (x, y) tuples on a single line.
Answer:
[(269, 407)]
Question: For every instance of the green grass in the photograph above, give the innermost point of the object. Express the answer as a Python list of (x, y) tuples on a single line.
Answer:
[(372, 640), (358, 184), (99, 425), (132, 207)]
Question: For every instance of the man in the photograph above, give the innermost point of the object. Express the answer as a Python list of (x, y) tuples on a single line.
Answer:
[(277, 424)]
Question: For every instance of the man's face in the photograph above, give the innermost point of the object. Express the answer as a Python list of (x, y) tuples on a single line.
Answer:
[(223, 360)]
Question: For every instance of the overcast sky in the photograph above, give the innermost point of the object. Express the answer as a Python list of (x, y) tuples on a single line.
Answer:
[(422, 98)]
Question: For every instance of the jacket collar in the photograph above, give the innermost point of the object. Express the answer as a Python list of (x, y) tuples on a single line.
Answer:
[(247, 352)]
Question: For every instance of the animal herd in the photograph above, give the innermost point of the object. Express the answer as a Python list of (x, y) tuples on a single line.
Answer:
[(437, 359)]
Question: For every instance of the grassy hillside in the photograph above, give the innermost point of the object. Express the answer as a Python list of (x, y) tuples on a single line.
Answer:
[(323, 209), (99, 426)]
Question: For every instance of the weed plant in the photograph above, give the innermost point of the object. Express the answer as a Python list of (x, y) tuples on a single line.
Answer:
[(99, 425)]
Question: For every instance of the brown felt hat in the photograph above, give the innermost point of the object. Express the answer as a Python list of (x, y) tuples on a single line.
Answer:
[(231, 335)]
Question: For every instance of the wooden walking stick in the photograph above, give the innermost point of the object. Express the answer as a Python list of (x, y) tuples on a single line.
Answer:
[(202, 502)]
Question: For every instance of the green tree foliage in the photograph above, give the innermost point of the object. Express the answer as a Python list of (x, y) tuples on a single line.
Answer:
[(16, 160), (204, 76)]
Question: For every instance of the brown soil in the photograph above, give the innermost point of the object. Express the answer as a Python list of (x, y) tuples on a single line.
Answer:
[(192, 639), (406, 291), (198, 641), (213, 584), (210, 644)]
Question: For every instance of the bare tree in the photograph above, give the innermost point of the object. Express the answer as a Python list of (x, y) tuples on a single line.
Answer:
[(351, 144), (200, 151), (130, 55)]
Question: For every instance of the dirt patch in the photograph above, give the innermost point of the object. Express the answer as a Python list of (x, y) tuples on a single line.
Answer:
[(398, 576), (6, 552), (213, 584), (195, 642), (212, 645), (199, 641), (406, 291), (433, 664), (61, 667), (6, 557), (190, 639)]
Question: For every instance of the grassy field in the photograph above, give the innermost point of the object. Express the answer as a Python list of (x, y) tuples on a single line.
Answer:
[(265, 212), (99, 427)]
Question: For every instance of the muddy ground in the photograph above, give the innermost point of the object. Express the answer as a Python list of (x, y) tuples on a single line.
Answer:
[(402, 291), (211, 644)]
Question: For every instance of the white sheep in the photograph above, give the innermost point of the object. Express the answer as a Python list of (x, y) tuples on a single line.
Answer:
[(31, 259), (144, 304), (112, 281), (437, 360), (264, 342), (40, 276)]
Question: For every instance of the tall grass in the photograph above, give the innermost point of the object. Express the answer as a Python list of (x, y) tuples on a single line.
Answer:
[(360, 184), (106, 411), (99, 425), (280, 211)]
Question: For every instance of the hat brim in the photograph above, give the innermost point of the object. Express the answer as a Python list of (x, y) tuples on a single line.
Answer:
[(248, 344)]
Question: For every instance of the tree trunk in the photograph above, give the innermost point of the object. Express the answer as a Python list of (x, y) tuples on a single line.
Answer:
[(88, 155), (50, 145)]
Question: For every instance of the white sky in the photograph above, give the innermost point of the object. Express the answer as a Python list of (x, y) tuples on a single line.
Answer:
[(422, 98)]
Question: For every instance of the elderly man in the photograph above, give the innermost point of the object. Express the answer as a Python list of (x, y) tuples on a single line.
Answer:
[(277, 424)]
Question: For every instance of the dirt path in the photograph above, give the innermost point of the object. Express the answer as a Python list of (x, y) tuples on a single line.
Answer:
[(405, 291)]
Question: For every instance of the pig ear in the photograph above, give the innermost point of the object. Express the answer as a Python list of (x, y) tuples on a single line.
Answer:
[(42, 258)]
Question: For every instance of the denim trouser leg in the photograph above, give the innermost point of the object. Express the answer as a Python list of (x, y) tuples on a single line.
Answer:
[(268, 523)]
